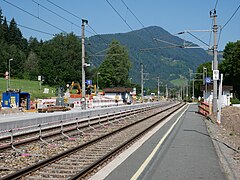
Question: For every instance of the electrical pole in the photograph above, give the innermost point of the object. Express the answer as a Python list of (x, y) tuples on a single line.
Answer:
[(83, 67), (206, 87), (158, 88), (187, 90), (193, 90), (142, 81), (166, 92), (190, 75), (215, 62), (204, 96)]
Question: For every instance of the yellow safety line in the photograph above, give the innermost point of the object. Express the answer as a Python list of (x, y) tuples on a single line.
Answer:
[(149, 158)]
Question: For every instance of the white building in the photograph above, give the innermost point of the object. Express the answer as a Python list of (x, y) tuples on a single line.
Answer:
[(226, 94)]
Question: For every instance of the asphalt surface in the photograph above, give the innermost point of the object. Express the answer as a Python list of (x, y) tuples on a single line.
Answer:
[(187, 153)]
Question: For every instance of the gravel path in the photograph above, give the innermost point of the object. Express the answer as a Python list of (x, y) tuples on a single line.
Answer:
[(226, 139)]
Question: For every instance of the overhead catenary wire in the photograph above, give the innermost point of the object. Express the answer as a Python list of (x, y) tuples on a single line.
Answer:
[(81, 19), (216, 4), (137, 19), (133, 14), (43, 19), (125, 20), (119, 15), (44, 7), (148, 30), (46, 22), (32, 29), (72, 15), (230, 18), (77, 18), (221, 28), (63, 9)]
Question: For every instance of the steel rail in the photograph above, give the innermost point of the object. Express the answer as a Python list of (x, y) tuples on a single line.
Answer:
[(110, 117), (41, 164), (91, 167)]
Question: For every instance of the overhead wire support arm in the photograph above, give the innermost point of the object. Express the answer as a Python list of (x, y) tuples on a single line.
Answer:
[(166, 42), (189, 32), (198, 38), (157, 48)]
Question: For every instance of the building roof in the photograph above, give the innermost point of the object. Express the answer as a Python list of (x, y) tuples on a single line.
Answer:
[(118, 90), (210, 87)]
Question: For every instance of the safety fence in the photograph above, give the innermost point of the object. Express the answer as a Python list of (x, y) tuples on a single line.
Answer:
[(98, 103), (204, 108)]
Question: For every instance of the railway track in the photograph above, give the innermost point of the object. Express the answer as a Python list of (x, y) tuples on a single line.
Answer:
[(19, 136), (77, 161), (54, 140)]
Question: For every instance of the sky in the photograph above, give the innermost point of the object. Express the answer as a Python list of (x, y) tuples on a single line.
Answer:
[(173, 15)]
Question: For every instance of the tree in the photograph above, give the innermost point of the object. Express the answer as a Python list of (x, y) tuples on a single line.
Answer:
[(17, 65), (230, 66), (1, 27), (5, 29), (60, 60), (15, 36), (1, 16), (115, 67), (31, 67)]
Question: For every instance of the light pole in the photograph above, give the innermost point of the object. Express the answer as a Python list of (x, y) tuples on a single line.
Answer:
[(158, 89), (193, 96), (130, 80), (97, 81), (204, 83), (9, 68), (84, 65)]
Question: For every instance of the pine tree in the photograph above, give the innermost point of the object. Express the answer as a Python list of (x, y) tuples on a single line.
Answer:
[(5, 29), (15, 34), (1, 27)]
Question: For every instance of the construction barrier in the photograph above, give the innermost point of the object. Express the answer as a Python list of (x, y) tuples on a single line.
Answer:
[(204, 109)]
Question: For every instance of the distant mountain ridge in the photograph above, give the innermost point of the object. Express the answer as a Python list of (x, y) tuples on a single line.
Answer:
[(160, 59)]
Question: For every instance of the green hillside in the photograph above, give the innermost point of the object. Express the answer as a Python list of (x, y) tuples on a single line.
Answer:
[(161, 60), (58, 60), (33, 87)]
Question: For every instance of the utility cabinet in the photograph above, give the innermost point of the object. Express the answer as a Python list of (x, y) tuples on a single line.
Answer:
[(14, 99)]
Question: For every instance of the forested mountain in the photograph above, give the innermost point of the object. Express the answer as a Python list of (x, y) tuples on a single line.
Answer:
[(159, 58), (58, 59)]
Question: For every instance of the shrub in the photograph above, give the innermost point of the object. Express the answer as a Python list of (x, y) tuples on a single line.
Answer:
[(235, 101)]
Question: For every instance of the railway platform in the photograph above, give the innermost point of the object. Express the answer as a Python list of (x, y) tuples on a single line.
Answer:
[(179, 148)]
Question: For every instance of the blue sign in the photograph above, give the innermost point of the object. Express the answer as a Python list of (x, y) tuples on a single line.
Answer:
[(207, 80), (89, 82)]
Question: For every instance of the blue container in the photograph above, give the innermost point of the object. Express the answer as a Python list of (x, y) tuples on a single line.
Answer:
[(13, 99)]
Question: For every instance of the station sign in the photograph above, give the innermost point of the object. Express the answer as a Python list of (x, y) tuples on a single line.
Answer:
[(208, 80), (39, 78), (89, 82), (6, 75), (215, 75)]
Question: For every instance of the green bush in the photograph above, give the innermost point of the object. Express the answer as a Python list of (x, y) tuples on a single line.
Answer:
[(235, 101)]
